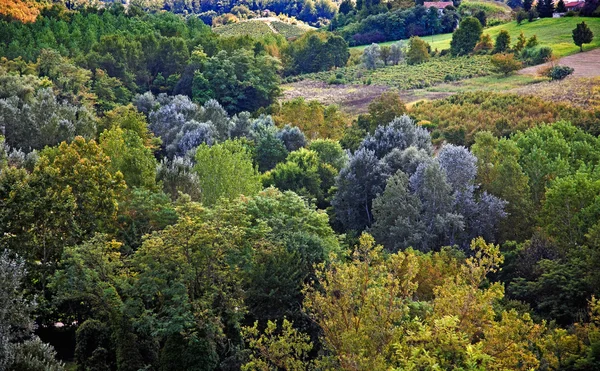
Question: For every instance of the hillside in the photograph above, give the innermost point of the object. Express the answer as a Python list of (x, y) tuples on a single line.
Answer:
[(552, 32)]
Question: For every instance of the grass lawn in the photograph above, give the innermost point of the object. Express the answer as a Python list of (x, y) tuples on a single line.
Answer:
[(553, 32)]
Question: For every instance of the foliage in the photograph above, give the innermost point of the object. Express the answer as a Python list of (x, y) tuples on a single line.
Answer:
[(502, 42), (313, 118), (371, 57), (466, 36), (129, 156), (374, 294), (418, 51), (316, 51), (225, 170), (364, 176), (382, 109), (396, 24), (20, 349), (287, 350), (43, 121)]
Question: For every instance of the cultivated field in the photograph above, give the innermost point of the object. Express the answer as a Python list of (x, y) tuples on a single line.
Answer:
[(261, 27)]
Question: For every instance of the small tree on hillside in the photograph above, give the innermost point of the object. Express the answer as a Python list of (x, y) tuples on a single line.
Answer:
[(466, 36), (521, 41), (582, 35), (521, 16), (372, 56), (418, 51), (560, 7), (484, 45), (502, 42)]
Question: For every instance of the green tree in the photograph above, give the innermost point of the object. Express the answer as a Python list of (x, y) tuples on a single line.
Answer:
[(384, 109), (225, 170), (284, 348), (502, 42), (418, 51), (130, 157), (466, 36), (397, 213), (582, 35)]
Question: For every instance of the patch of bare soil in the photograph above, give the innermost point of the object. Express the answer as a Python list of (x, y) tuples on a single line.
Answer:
[(586, 64), (352, 99)]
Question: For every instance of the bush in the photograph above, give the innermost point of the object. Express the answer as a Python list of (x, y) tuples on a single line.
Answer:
[(559, 72), (533, 56), (521, 16), (506, 63)]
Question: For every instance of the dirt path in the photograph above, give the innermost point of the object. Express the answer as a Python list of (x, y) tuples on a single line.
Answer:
[(586, 64)]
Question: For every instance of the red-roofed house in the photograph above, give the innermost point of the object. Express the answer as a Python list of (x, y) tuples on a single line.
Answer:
[(437, 4), (574, 5), (440, 5)]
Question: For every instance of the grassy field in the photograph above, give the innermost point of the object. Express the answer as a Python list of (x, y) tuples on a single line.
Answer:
[(553, 32)]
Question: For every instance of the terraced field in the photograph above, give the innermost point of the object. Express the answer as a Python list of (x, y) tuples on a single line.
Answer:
[(261, 27)]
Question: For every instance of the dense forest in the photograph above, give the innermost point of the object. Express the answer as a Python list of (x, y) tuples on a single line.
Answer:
[(162, 209)]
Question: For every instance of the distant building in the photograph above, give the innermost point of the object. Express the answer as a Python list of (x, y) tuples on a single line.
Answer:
[(440, 5), (574, 5)]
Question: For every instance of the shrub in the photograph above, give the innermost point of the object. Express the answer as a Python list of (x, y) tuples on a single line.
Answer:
[(506, 63), (559, 72), (521, 16), (533, 56), (458, 118), (484, 45)]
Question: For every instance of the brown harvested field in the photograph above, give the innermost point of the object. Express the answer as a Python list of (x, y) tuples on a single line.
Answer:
[(577, 91), (352, 99), (586, 64)]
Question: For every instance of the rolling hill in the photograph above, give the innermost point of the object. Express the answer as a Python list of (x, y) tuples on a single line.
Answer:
[(553, 32)]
